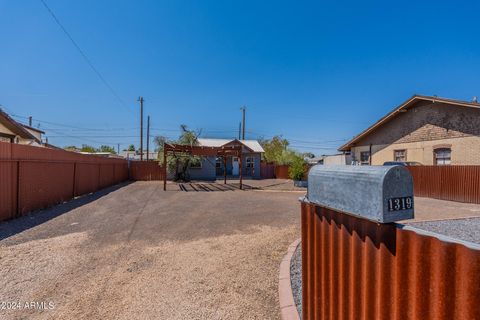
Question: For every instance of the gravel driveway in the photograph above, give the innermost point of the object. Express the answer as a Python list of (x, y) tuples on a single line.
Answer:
[(138, 252)]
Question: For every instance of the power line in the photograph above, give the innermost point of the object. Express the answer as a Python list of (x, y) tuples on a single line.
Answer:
[(82, 53), (70, 127), (90, 136), (316, 141), (73, 130), (313, 147), (79, 138)]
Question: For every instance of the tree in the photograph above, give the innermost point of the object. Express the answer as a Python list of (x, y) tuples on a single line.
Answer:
[(107, 149), (87, 148), (275, 149), (159, 141), (179, 163), (70, 148), (131, 147)]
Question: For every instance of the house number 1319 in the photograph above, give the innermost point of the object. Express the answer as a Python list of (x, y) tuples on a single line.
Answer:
[(397, 204)]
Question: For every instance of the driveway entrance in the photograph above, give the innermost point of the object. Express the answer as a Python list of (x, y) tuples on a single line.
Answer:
[(142, 253)]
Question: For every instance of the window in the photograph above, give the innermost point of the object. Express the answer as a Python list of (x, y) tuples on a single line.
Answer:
[(249, 162), (218, 163), (196, 164), (442, 156), (365, 157), (400, 155)]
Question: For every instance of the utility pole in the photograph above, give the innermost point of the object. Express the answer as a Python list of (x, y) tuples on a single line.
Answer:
[(239, 130), (118, 148), (141, 127), (243, 121), (148, 137), (30, 121)]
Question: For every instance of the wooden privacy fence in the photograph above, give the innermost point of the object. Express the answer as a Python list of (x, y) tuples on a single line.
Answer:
[(267, 170), (454, 183), (33, 178), (353, 268), (146, 170)]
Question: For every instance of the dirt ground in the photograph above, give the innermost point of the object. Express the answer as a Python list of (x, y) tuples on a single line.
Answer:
[(137, 252), (134, 251)]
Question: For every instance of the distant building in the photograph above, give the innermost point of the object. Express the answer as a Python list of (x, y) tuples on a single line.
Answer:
[(12, 131), (313, 161), (211, 167), (135, 155), (102, 154), (338, 159), (425, 129)]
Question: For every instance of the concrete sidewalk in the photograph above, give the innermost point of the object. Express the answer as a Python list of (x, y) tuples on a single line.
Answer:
[(428, 209)]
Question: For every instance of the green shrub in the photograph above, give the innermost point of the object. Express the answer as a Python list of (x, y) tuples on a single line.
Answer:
[(296, 170)]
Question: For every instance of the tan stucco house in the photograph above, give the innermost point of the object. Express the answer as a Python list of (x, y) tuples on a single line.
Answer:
[(425, 129), (14, 132)]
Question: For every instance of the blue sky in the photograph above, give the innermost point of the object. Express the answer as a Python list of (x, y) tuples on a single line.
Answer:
[(316, 72)]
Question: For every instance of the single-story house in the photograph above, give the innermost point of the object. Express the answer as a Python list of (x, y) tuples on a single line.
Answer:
[(211, 167), (14, 132), (102, 154), (335, 159), (135, 155), (315, 160), (425, 129)]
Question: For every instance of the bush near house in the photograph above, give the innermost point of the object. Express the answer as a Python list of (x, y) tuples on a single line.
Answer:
[(297, 168), (278, 152)]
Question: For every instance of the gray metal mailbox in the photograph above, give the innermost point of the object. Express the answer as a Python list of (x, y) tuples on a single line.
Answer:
[(378, 193)]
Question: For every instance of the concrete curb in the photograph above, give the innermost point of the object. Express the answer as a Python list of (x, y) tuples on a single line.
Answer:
[(288, 308)]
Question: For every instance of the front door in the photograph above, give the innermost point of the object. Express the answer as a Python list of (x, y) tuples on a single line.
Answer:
[(235, 166)]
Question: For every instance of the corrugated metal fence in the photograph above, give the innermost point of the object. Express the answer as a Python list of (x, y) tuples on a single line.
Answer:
[(357, 269), (33, 178), (267, 170), (281, 171), (455, 183), (146, 170)]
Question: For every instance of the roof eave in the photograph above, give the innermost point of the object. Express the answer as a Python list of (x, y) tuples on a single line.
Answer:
[(347, 146), (16, 127), (34, 129)]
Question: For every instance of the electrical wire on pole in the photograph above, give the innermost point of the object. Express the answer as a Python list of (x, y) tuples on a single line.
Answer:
[(141, 127), (148, 138), (243, 121), (84, 55)]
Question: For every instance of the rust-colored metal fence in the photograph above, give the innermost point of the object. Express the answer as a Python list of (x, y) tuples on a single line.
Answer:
[(455, 183), (356, 269), (33, 178), (281, 172), (146, 170)]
